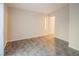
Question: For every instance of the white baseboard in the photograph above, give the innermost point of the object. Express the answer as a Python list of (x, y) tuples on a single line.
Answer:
[(62, 39), (74, 48), (5, 44), (30, 37)]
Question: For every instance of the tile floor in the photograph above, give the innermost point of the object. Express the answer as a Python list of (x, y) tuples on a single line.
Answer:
[(41, 46)]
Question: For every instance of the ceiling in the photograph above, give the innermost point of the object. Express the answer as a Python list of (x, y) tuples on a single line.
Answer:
[(44, 8)]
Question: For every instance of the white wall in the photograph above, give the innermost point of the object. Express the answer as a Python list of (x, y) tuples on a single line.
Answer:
[(25, 24), (74, 26), (61, 22), (1, 29)]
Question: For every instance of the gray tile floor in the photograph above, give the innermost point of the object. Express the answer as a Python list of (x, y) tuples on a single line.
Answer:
[(41, 46)]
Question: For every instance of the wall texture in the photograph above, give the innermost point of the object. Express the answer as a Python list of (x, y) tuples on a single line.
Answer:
[(61, 22), (25, 24), (74, 26), (1, 29)]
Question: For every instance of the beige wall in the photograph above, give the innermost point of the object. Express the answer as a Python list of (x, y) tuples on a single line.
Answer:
[(5, 24), (74, 26), (61, 22), (25, 24)]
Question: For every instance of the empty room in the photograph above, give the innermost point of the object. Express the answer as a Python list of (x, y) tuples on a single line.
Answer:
[(39, 29)]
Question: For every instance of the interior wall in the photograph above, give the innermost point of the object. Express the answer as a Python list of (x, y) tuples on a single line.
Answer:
[(1, 29), (5, 24), (74, 26), (25, 24), (61, 22)]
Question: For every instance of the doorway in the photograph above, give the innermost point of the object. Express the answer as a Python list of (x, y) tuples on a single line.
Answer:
[(52, 25)]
